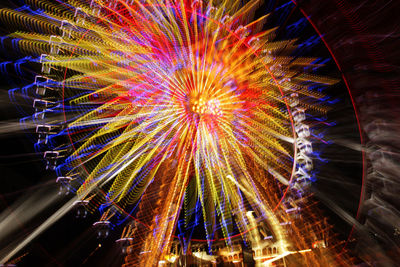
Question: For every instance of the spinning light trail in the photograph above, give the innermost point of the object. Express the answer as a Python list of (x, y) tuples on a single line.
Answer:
[(170, 106)]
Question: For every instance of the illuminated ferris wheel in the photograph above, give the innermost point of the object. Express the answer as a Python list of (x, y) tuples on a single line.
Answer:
[(174, 116)]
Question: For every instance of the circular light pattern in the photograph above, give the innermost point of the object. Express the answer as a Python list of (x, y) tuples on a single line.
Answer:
[(172, 105)]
